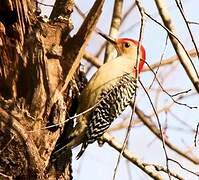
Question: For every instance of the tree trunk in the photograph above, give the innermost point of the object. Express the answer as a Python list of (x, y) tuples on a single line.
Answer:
[(38, 60)]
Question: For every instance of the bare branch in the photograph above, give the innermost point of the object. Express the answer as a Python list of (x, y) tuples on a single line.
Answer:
[(184, 167), (44, 4), (160, 168), (150, 169), (78, 43), (180, 7), (92, 59), (192, 22), (127, 154), (126, 14), (182, 54), (123, 125), (114, 29), (80, 12), (171, 96), (161, 58), (160, 130), (197, 131), (149, 123), (172, 59), (62, 8), (141, 9)]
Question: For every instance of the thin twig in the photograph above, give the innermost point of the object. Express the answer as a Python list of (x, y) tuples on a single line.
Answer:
[(178, 46), (180, 7), (183, 167), (43, 4), (172, 59), (188, 69), (184, 123), (192, 22), (140, 7), (130, 28), (160, 128), (126, 14), (125, 140), (197, 132), (77, 115), (80, 12), (161, 58), (171, 96), (149, 123)]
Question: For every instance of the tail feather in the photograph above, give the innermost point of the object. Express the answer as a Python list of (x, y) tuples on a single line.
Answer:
[(83, 148)]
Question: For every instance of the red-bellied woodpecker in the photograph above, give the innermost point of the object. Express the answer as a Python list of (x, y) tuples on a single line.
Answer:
[(108, 93)]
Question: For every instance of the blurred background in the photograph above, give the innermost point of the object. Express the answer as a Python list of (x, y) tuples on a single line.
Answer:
[(178, 121)]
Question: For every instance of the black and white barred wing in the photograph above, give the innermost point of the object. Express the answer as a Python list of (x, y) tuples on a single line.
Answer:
[(111, 104)]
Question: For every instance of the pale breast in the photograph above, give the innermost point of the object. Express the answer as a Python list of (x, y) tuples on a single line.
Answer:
[(107, 76)]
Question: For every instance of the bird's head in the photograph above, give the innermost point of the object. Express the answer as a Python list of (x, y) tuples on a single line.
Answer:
[(128, 48)]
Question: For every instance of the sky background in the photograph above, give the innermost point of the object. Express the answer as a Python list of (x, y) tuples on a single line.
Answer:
[(99, 163)]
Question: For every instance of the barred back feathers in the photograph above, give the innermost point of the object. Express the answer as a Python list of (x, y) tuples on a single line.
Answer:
[(111, 104)]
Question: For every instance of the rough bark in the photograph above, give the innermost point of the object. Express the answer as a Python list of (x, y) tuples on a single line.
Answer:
[(38, 60)]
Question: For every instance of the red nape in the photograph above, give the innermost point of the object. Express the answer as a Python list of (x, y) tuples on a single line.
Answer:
[(143, 52)]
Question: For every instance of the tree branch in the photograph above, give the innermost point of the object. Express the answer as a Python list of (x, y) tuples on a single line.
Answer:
[(62, 8), (148, 122), (114, 29), (147, 168), (74, 48), (180, 51)]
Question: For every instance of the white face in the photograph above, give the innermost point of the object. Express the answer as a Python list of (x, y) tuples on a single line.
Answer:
[(127, 48)]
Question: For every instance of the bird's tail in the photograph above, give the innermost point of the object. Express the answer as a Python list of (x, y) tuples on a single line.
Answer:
[(83, 148)]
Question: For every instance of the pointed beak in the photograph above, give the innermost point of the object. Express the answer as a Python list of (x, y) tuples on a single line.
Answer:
[(108, 38)]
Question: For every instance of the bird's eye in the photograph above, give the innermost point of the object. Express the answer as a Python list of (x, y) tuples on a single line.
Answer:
[(127, 45)]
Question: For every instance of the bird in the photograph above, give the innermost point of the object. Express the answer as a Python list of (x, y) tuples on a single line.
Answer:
[(107, 94)]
